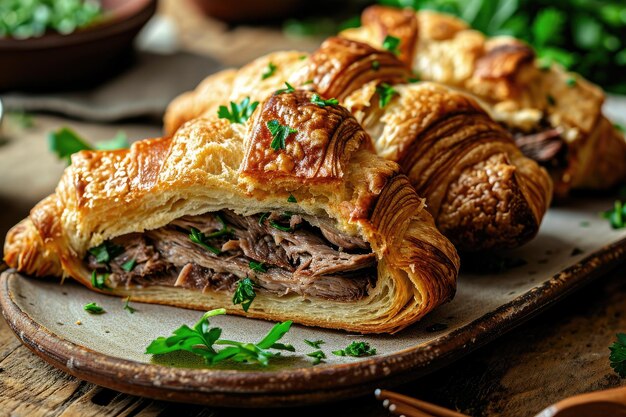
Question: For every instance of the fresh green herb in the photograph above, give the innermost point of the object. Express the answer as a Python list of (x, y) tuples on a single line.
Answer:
[(288, 89), (201, 340), (618, 355), (93, 308), (199, 238), (551, 100), (307, 82), (269, 71), (314, 343), (316, 99), (238, 113), (291, 199), (127, 306), (99, 280), (262, 218), (391, 43), (570, 81), (279, 133), (318, 357), (257, 266), (280, 226), (617, 215), (244, 294), (106, 251), (375, 65), (65, 142), (544, 64), (414, 79), (385, 94), (302, 57), (620, 127), (225, 229), (129, 265), (356, 349)]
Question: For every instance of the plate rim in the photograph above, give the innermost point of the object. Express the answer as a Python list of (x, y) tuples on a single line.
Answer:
[(298, 386)]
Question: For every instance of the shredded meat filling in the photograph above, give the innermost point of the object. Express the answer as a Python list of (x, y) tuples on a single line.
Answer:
[(309, 257)]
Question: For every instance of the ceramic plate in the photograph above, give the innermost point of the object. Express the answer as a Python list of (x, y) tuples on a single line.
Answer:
[(574, 246)]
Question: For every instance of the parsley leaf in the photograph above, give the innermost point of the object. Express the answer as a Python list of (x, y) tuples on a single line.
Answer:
[(279, 133), (616, 216), (269, 71), (93, 308), (127, 306), (618, 355), (238, 113), (278, 226), (291, 199), (129, 265), (318, 356), (196, 236), (391, 43), (356, 349), (316, 99), (288, 89), (225, 230), (262, 218), (105, 252), (314, 343), (385, 94), (244, 294), (99, 280), (65, 142), (257, 266)]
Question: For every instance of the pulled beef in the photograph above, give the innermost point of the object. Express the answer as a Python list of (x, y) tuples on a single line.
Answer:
[(300, 261), (543, 146)]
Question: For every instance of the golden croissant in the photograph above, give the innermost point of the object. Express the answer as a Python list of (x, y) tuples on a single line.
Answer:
[(555, 116), (293, 200), (481, 190)]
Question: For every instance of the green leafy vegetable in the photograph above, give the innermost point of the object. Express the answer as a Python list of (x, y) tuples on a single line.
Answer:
[(238, 113), (617, 215), (307, 82), (279, 133), (224, 230), (385, 94), (93, 308), (199, 238), (65, 142), (618, 355), (288, 89), (262, 218), (318, 356), (203, 340), (279, 226), (257, 266), (291, 199), (314, 343), (99, 280), (356, 349), (391, 43), (129, 265), (244, 294), (127, 306), (119, 141), (316, 99), (269, 71), (106, 251)]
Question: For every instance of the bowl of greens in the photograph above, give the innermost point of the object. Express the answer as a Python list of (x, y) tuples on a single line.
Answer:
[(67, 44)]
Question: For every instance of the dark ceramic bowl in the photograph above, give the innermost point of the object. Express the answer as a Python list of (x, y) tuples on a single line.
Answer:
[(81, 59)]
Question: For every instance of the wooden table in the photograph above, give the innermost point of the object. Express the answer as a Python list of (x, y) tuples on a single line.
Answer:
[(563, 352)]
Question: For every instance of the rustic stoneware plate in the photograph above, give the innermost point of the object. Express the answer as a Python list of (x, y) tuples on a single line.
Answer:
[(574, 246)]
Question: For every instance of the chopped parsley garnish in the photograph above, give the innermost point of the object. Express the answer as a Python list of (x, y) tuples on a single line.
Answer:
[(244, 294), (570, 81), (262, 219), (307, 82), (197, 237), (225, 230), (616, 216), (551, 100), (291, 199), (127, 306), (238, 113), (65, 142), (316, 99), (302, 57), (93, 308), (201, 340), (318, 357), (544, 64), (288, 89), (375, 65), (99, 280), (257, 266), (314, 343), (385, 94), (279, 133), (106, 251), (618, 355), (356, 349), (129, 265), (278, 226), (391, 43), (269, 71)]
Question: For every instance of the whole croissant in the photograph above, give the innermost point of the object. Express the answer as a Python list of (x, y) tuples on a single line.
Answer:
[(331, 234), (481, 190), (555, 116)]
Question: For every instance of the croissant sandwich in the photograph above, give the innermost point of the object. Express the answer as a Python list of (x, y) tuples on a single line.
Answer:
[(555, 116), (292, 202), (481, 190)]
